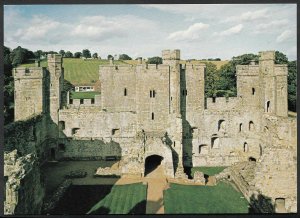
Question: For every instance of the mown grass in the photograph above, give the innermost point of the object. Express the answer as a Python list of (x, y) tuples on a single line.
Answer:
[(79, 71), (207, 170), (222, 198), (83, 95), (123, 199)]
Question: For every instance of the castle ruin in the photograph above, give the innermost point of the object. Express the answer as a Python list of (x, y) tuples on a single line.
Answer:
[(152, 110)]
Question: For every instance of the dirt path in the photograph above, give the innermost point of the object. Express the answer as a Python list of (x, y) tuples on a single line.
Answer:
[(156, 185)]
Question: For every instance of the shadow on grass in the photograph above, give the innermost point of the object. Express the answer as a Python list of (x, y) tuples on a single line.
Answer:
[(139, 208)]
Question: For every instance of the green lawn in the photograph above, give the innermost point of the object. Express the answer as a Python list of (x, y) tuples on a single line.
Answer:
[(222, 198), (79, 71), (83, 95), (123, 199), (207, 170)]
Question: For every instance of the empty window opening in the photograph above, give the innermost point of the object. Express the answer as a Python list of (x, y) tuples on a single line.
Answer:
[(203, 149), (171, 98), (74, 131), (281, 90), (150, 93), (252, 159), (246, 147), (214, 99), (62, 147), (70, 101), (174, 144), (152, 116), (268, 106), (153, 93), (115, 131), (61, 125), (92, 101), (253, 91), (215, 142), (125, 92), (81, 101), (182, 91), (221, 125), (280, 205), (241, 127), (251, 126)]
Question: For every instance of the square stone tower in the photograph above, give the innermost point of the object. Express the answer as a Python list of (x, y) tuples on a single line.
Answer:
[(30, 92)]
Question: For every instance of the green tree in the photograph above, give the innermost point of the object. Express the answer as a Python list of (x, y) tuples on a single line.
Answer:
[(38, 54), (211, 79), (86, 53), (292, 85), (62, 53), (77, 54), (95, 55), (280, 58), (124, 57), (109, 57), (155, 60), (8, 87), (68, 54)]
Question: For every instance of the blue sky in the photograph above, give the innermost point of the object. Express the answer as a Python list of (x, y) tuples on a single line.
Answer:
[(199, 31)]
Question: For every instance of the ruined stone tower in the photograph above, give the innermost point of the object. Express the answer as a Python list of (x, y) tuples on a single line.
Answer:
[(56, 84), (30, 91)]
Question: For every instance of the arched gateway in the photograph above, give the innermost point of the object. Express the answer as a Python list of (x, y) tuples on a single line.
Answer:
[(157, 154)]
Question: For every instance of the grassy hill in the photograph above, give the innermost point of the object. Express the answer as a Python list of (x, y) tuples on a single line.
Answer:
[(79, 71)]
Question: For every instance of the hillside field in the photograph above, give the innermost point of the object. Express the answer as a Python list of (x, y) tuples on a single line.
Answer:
[(79, 71)]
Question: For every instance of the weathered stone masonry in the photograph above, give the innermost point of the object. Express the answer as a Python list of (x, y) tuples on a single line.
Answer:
[(147, 110)]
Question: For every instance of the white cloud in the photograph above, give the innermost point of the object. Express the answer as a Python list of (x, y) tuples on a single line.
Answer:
[(192, 33), (38, 28), (266, 27), (248, 16), (285, 35), (231, 31)]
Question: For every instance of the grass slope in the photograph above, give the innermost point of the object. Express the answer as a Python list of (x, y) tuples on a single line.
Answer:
[(83, 95), (123, 199), (222, 198), (207, 170), (79, 71)]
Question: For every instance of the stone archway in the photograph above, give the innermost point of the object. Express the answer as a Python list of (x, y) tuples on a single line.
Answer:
[(155, 147), (152, 163)]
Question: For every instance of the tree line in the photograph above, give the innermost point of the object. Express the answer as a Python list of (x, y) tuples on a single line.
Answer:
[(218, 82)]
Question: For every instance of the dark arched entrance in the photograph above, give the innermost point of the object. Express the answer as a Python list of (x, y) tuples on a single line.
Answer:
[(151, 163), (52, 153)]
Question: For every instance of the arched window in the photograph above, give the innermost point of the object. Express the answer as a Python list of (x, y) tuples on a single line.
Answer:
[(241, 127), (61, 125), (153, 93), (125, 92), (203, 149), (268, 105), (150, 93), (215, 142), (174, 144), (251, 126), (152, 116), (253, 91), (246, 148), (221, 125)]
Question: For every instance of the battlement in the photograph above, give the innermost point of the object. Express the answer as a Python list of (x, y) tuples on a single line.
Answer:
[(171, 55), (266, 55), (57, 58), (247, 70), (29, 73), (192, 67), (221, 103)]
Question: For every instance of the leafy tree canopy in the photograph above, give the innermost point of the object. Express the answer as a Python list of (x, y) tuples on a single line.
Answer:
[(68, 54), (77, 54), (86, 53), (124, 57), (155, 60), (95, 55)]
